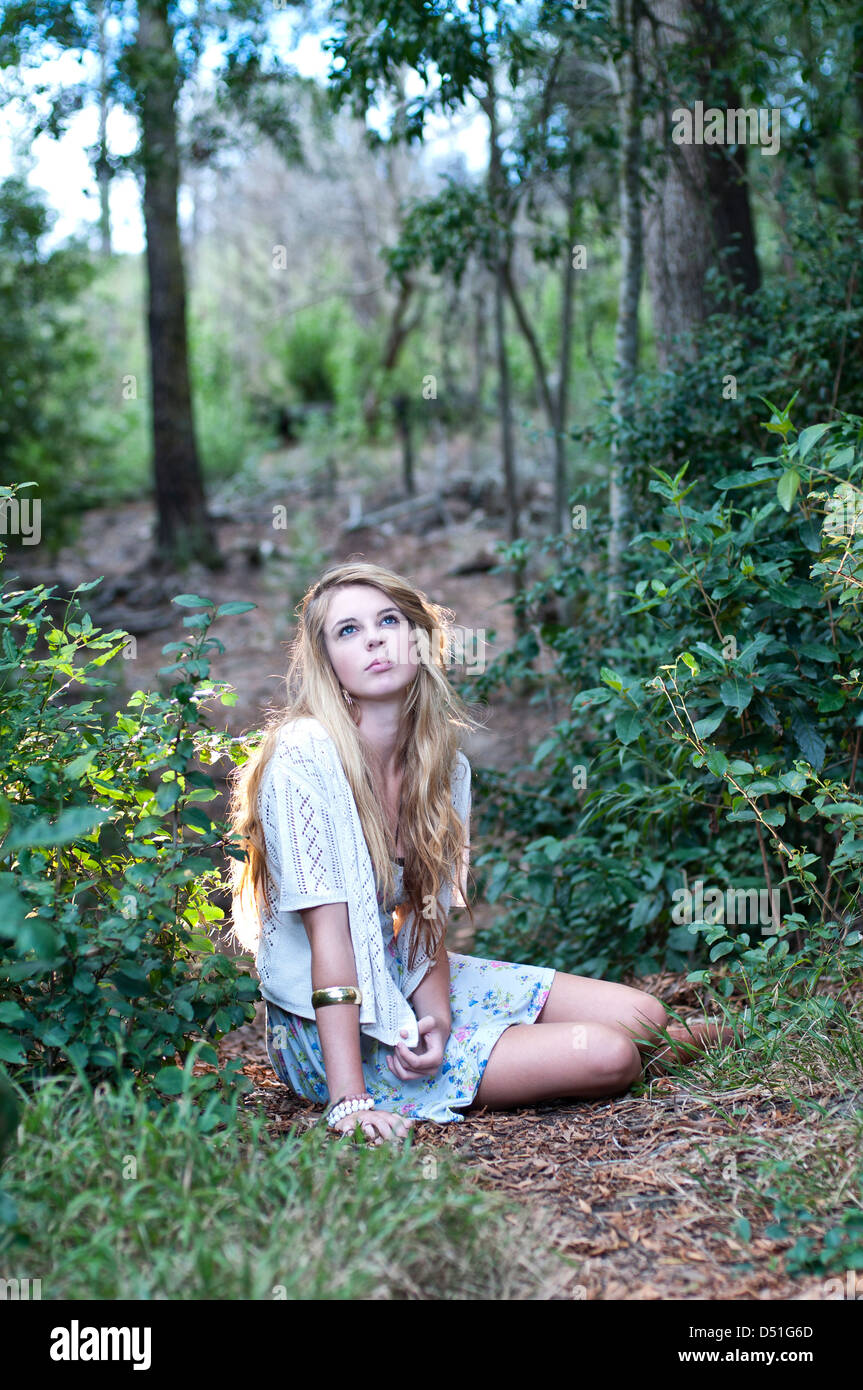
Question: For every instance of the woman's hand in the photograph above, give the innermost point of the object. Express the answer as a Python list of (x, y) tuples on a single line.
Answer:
[(376, 1125), (424, 1060)]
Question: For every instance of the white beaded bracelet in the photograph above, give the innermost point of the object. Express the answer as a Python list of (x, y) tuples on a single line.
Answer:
[(349, 1107)]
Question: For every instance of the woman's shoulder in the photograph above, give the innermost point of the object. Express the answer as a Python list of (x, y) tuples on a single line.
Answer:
[(461, 783), (462, 766), (301, 731), (305, 744)]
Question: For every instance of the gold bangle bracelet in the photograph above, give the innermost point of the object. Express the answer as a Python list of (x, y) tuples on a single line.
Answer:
[(337, 994)]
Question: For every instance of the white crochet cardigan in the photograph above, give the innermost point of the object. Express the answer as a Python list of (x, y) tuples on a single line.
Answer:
[(317, 853)]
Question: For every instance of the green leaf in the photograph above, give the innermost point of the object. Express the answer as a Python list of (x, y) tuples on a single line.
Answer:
[(192, 601), (37, 936), (11, 1049), (169, 1081), (609, 677), (808, 740), (235, 606), (736, 695), (198, 819), (543, 749), (741, 479), (627, 725), (809, 532), (793, 782), (818, 651), (830, 701), (810, 437), (786, 488), (722, 948), (70, 825), (76, 769), (741, 1227), (199, 943), (13, 908), (167, 794), (709, 724), (716, 761)]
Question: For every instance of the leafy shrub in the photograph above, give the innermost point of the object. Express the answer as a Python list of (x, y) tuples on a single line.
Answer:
[(806, 327), (106, 957), (720, 737), (47, 361)]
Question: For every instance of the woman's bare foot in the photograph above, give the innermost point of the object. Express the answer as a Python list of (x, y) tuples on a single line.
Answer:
[(693, 1038)]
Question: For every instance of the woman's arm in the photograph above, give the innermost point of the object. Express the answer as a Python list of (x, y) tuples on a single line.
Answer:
[(333, 963), (432, 994), (431, 1004)]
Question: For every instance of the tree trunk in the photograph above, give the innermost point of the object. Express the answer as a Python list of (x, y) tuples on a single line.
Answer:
[(505, 407), (857, 79), (698, 211), (479, 361), (401, 410), (628, 15), (184, 530), (498, 200), (728, 188), (103, 166), (561, 482)]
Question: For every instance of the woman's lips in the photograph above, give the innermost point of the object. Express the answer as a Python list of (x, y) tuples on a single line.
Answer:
[(379, 666)]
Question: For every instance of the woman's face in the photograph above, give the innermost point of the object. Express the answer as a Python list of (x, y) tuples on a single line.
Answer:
[(369, 642)]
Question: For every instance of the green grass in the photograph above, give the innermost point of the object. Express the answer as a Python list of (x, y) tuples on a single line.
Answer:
[(796, 1182), (115, 1202)]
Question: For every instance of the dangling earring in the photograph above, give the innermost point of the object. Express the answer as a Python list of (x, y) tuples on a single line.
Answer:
[(348, 699)]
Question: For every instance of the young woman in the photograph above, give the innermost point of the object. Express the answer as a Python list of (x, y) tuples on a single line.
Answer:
[(354, 815)]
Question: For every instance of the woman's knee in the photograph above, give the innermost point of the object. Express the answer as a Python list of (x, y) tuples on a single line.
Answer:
[(616, 1058), (650, 1010)]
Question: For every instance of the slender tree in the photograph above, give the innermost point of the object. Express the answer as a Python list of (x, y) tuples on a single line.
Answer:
[(697, 211), (628, 15), (155, 49)]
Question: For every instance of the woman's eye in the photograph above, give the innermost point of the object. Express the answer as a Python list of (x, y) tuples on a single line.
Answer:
[(387, 618)]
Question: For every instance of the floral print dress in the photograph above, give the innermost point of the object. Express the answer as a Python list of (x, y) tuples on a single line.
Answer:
[(486, 997)]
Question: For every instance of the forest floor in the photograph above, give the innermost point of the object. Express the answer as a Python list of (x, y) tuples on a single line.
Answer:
[(637, 1194), (624, 1189)]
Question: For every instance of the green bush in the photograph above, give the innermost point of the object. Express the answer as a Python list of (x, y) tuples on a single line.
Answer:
[(225, 429), (106, 957), (806, 327), (47, 360), (719, 738)]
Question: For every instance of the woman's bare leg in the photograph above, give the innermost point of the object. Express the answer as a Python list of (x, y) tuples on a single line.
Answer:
[(547, 1061), (581, 998), (638, 1013), (587, 1041)]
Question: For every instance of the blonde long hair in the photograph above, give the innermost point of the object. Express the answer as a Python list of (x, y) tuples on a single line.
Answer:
[(433, 834)]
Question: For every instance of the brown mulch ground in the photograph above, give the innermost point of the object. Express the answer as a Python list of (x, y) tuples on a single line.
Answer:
[(620, 1187)]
